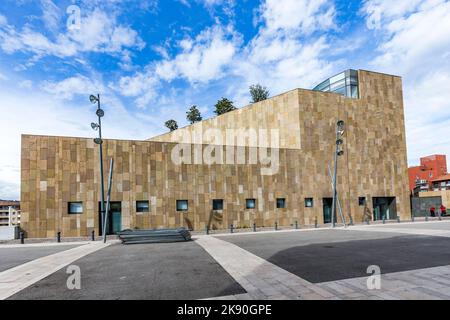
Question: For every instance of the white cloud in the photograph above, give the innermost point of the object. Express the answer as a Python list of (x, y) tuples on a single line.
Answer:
[(50, 14), (185, 2), (432, 27), (9, 190), (281, 64), (377, 11), (427, 110), (200, 60), (35, 42), (3, 20), (212, 3), (44, 116), (26, 84), (203, 58), (141, 85), (415, 44), (99, 32), (225, 6), (69, 87), (279, 55), (52, 114), (298, 16), (162, 51), (116, 5)]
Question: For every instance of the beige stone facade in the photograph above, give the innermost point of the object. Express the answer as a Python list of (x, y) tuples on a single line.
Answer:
[(59, 170)]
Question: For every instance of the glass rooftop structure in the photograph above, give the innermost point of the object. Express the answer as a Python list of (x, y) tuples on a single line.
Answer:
[(345, 83)]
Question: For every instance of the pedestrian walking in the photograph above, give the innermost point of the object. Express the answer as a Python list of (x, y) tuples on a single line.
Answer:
[(432, 211), (443, 210)]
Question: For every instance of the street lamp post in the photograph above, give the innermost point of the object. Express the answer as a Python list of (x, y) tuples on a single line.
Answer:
[(338, 152), (98, 126)]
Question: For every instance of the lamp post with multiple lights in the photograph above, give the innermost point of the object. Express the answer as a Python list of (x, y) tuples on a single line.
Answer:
[(98, 126), (340, 129)]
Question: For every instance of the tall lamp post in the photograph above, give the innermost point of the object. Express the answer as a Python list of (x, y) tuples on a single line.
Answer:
[(98, 126), (340, 128)]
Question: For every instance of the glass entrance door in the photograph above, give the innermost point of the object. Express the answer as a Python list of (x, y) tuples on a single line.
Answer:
[(384, 207), (114, 222), (327, 206)]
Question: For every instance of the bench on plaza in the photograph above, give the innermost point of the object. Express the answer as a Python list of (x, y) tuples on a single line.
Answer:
[(154, 235)]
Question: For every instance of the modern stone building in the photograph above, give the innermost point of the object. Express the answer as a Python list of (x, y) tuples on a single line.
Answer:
[(265, 163)]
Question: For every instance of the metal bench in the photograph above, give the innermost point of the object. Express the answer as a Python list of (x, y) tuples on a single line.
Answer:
[(154, 235)]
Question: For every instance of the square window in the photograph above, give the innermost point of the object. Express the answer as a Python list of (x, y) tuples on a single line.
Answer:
[(217, 204), (182, 205), (250, 203), (142, 206), (281, 203), (362, 201), (309, 202), (75, 207)]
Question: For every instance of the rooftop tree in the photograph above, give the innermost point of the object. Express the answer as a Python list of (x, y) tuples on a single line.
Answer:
[(171, 124), (258, 93), (223, 106), (193, 115)]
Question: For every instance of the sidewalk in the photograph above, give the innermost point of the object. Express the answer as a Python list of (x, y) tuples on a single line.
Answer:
[(18, 278)]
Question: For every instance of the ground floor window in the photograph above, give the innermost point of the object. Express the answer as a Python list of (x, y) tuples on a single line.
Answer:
[(142, 206), (281, 203), (182, 205), (309, 202), (362, 201), (250, 203), (217, 204), (75, 207)]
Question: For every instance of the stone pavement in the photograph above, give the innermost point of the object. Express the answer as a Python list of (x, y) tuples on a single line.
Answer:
[(417, 228), (260, 278), (15, 279), (264, 280), (42, 244), (419, 284)]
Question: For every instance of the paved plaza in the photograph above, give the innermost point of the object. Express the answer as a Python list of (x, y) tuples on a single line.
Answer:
[(141, 271), (414, 260)]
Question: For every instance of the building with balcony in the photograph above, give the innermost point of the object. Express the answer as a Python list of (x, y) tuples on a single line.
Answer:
[(430, 168), (264, 163), (9, 213), (441, 183)]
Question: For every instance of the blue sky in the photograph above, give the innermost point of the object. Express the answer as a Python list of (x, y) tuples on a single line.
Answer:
[(151, 60)]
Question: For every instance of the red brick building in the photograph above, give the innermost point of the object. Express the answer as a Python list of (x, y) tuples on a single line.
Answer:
[(431, 168)]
